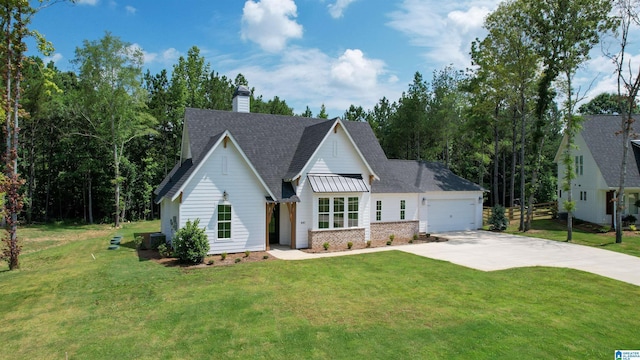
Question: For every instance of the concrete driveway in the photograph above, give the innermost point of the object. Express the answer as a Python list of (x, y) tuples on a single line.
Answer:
[(490, 251)]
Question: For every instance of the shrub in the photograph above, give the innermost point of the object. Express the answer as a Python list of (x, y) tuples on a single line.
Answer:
[(389, 242), (137, 242), (265, 257), (238, 260), (632, 227), (247, 253), (190, 243), (498, 221), (428, 235), (604, 229), (629, 219), (415, 236), (391, 237), (210, 262), (368, 243), (349, 245), (223, 256), (165, 251), (325, 246)]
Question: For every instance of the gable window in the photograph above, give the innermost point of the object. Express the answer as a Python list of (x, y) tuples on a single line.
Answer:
[(353, 212), (379, 210), (403, 207), (323, 213), (224, 221), (579, 162), (338, 212)]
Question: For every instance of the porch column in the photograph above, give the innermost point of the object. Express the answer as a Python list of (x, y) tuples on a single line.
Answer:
[(292, 220), (270, 207)]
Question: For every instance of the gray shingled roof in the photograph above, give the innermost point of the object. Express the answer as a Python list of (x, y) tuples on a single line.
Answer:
[(430, 176), (599, 132), (279, 147)]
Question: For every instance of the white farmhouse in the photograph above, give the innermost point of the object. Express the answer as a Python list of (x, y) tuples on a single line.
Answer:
[(597, 162), (259, 179)]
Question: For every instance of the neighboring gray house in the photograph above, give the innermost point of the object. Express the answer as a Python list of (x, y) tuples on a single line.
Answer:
[(597, 160), (260, 179)]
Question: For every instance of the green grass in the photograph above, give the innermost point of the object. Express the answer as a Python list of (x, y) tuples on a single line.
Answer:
[(389, 305), (555, 230)]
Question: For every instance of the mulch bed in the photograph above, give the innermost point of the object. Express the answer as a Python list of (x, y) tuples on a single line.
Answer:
[(258, 256), (381, 243), (254, 256)]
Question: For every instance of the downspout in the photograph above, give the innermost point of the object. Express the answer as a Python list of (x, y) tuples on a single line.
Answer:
[(615, 207)]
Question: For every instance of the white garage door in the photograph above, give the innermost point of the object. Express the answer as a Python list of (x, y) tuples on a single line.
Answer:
[(451, 215)]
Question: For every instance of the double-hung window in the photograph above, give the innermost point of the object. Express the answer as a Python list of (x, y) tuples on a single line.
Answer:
[(379, 210), (403, 207), (224, 221), (323, 213), (338, 212), (353, 212), (579, 162)]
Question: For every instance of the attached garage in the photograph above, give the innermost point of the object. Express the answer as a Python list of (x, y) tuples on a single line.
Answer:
[(451, 215)]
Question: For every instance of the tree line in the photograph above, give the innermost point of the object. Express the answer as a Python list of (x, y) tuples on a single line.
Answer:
[(96, 141)]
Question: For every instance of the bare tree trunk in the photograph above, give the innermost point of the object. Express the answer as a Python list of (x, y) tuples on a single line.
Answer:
[(496, 158), (90, 196), (514, 159)]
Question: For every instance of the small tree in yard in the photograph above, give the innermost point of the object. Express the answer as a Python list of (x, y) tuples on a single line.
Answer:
[(498, 219), (190, 243)]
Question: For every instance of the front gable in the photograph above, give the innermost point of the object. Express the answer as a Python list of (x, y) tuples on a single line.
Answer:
[(222, 141), (337, 153)]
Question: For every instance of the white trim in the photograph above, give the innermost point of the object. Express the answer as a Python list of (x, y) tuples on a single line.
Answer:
[(225, 134)]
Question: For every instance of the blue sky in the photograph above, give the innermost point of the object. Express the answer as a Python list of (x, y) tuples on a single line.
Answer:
[(308, 52)]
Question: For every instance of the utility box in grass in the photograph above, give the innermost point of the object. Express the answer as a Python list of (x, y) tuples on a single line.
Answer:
[(151, 241), (156, 239)]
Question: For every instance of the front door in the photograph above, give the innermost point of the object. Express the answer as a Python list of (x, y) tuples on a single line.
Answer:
[(274, 226)]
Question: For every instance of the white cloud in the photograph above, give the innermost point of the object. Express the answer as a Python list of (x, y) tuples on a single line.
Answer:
[(270, 23), (55, 58), (445, 30), (130, 9), (352, 69), (336, 10), (166, 57), (309, 77), (87, 2)]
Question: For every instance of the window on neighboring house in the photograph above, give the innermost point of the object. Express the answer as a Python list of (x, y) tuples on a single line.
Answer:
[(633, 208), (585, 196), (323, 213), (224, 221), (338, 212), (579, 164), (379, 210), (559, 193), (353, 212), (403, 207), (580, 195)]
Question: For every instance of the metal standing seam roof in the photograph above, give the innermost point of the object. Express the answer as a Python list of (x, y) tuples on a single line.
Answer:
[(334, 183)]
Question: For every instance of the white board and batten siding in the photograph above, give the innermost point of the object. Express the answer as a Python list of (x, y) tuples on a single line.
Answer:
[(170, 211), (226, 170), (589, 181), (391, 207), (450, 211), (336, 155)]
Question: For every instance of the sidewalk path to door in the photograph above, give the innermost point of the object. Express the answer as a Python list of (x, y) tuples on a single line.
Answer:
[(489, 251)]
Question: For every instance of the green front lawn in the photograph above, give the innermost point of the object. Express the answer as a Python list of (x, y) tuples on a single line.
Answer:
[(389, 305), (555, 230)]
